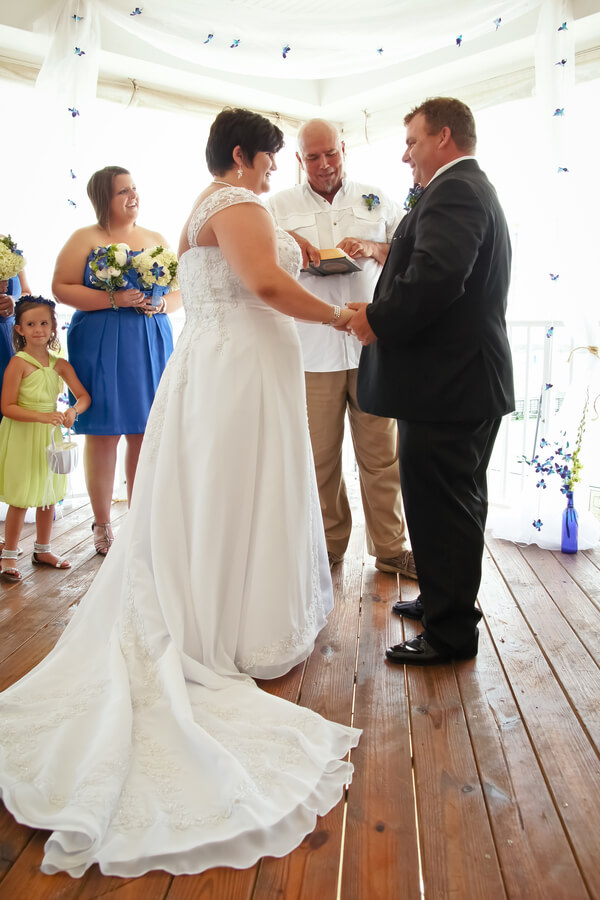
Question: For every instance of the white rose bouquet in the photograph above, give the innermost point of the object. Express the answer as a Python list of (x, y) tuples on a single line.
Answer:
[(12, 260), (156, 269), (109, 266)]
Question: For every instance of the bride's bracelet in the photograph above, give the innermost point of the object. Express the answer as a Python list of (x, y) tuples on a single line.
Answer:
[(337, 312), (113, 302)]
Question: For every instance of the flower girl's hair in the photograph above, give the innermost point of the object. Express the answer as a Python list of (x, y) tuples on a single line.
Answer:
[(22, 306)]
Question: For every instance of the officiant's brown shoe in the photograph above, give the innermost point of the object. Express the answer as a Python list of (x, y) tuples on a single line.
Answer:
[(403, 564)]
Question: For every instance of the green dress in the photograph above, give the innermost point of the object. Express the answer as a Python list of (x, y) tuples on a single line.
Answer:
[(25, 479)]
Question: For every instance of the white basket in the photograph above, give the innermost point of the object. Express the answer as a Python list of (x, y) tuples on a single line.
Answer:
[(62, 458)]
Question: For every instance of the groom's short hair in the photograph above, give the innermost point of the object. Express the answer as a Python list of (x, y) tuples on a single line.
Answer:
[(440, 112)]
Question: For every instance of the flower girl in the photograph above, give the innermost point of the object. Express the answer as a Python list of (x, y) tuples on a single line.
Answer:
[(32, 383)]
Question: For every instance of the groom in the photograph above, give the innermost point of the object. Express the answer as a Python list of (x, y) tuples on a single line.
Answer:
[(436, 357)]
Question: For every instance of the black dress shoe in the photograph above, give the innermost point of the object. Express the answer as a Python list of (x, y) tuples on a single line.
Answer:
[(417, 652), (410, 609)]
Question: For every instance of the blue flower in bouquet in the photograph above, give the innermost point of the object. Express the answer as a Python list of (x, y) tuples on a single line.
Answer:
[(156, 266), (12, 260), (110, 265)]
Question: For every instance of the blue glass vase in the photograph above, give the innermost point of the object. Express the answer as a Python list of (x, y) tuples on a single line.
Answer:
[(570, 526)]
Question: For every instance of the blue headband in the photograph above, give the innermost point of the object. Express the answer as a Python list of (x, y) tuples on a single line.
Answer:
[(28, 298)]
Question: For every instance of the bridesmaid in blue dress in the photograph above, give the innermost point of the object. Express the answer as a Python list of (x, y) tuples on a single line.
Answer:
[(10, 291), (118, 344)]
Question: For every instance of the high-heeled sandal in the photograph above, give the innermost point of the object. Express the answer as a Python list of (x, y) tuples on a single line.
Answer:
[(46, 548), (10, 573), (102, 542)]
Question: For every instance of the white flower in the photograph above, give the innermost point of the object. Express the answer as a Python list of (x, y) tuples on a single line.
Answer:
[(102, 274), (121, 254)]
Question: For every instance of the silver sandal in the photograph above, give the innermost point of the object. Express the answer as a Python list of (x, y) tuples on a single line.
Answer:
[(102, 542), (47, 548)]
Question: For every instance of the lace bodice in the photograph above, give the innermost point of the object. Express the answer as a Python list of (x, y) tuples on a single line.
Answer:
[(205, 277)]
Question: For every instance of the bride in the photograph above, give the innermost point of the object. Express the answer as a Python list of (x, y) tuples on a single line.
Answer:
[(142, 742)]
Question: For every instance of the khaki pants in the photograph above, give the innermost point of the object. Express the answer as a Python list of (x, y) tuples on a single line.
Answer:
[(329, 395)]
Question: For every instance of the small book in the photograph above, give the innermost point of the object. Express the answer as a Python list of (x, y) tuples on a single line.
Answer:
[(333, 262)]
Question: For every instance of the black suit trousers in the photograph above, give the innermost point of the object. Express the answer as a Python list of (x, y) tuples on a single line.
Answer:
[(443, 470)]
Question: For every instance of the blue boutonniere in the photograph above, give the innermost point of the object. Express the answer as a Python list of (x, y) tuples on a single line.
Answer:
[(413, 196), (371, 200)]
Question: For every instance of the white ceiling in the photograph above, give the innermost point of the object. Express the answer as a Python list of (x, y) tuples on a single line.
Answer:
[(333, 68)]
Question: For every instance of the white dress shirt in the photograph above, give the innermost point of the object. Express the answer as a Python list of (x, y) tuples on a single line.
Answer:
[(324, 225)]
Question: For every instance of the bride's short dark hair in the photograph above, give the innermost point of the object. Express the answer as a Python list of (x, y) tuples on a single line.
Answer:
[(240, 127)]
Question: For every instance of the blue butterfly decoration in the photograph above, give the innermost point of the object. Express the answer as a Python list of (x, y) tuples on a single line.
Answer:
[(285, 50), (537, 523), (137, 11), (497, 23), (72, 173), (559, 112), (74, 112), (561, 62), (77, 19), (79, 51), (236, 43), (380, 51), (459, 40), (563, 27), (209, 39), (550, 331), (72, 203), (548, 386), (553, 277)]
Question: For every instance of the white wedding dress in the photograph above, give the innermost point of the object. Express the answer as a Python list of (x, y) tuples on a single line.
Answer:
[(139, 742)]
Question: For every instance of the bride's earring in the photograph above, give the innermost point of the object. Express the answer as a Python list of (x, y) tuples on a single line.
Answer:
[(240, 172)]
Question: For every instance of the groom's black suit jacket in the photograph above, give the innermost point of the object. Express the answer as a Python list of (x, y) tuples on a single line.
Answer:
[(442, 352)]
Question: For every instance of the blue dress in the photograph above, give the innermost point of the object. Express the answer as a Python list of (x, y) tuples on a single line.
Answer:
[(6, 328), (119, 357)]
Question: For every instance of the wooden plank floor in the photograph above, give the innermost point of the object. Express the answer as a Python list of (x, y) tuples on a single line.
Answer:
[(473, 780)]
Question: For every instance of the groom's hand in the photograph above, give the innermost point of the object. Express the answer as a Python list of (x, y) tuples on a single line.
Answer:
[(359, 324)]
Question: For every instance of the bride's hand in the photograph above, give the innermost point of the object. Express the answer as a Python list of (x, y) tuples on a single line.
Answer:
[(341, 324)]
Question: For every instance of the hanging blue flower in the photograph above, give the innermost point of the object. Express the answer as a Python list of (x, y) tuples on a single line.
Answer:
[(548, 386), (79, 51), (537, 523), (559, 112), (550, 331), (542, 484), (459, 40), (561, 62), (209, 39), (497, 23), (71, 203), (380, 51), (74, 112), (553, 277), (137, 11), (236, 43), (562, 169), (285, 50), (72, 173), (544, 443), (77, 19), (563, 27)]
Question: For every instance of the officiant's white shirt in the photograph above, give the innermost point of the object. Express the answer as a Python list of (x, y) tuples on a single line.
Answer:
[(324, 225)]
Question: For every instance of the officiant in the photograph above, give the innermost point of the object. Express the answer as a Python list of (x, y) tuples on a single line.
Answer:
[(325, 212)]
